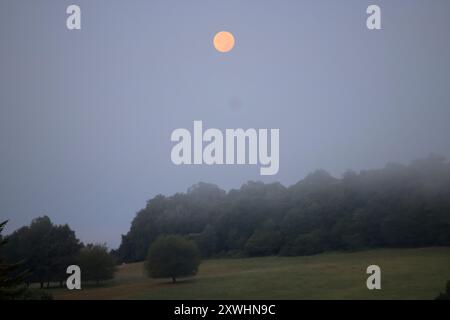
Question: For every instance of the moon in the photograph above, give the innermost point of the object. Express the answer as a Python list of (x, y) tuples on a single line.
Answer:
[(224, 41)]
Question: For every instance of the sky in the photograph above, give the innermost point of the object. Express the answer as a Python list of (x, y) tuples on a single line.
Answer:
[(86, 115)]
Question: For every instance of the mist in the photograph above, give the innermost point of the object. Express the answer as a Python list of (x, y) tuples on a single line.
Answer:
[(86, 116)]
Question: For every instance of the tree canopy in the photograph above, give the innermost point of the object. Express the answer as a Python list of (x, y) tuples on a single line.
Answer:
[(172, 257)]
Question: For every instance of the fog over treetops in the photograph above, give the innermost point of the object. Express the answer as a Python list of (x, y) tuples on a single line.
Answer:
[(396, 206)]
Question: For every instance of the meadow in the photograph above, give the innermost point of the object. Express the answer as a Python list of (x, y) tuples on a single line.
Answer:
[(406, 274)]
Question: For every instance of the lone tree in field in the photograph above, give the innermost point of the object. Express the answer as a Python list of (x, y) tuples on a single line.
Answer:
[(172, 256), (96, 263)]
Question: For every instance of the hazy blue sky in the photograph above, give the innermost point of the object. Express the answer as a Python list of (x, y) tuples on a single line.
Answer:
[(86, 116)]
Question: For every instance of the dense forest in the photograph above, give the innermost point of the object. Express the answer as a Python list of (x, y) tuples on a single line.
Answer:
[(397, 206)]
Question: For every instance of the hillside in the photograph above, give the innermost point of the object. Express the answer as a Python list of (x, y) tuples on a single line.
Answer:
[(406, 274)]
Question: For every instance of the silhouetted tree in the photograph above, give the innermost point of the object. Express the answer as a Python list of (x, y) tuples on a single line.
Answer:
[(172, 257), (44, 249)]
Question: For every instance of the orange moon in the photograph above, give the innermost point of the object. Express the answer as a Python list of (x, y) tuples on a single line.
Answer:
[(224, 41)]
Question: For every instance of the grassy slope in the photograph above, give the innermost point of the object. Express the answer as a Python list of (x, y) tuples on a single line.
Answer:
[(406, 274)]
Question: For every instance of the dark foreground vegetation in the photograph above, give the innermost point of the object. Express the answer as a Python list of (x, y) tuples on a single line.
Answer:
[(397, 206), (41, 252)]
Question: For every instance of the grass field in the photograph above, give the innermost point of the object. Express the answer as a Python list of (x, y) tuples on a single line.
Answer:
[(406, 274)]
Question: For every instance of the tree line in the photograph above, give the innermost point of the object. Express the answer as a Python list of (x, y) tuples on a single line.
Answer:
[(42, 251), (396, 206)]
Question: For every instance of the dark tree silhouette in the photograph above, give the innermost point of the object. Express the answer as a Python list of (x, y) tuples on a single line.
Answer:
[(172, 257), (11, 285), (44, 249)]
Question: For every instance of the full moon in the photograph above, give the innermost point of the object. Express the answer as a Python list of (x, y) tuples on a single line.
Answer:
[(224, 41)]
